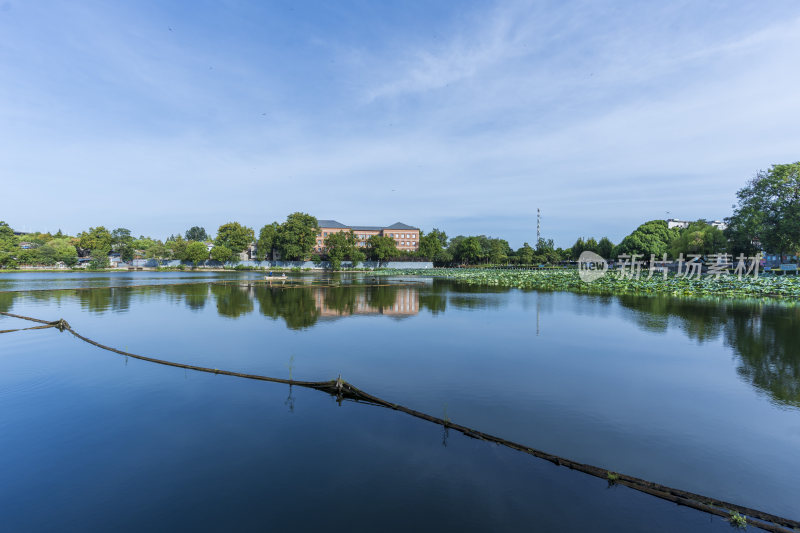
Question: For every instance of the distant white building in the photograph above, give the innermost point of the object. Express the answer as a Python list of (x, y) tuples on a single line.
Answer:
[(675, 223), (683, 224), (720, 225)]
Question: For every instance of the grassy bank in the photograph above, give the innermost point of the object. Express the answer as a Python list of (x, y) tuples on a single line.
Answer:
[(784, 287)]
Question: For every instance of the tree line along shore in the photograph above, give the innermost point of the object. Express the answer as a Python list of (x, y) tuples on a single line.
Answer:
[(766, 218)]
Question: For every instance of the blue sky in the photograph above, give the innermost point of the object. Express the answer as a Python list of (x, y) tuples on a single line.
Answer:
[(466, 116)]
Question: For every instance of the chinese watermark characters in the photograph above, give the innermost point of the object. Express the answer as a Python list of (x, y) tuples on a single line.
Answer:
[(632, 266)]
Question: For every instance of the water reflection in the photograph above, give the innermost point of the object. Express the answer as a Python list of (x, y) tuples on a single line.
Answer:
[(194, 295), (302, 308), (764, 337), (699, 320), (297, 307), (232, 301), (767, 343), (6, 301)]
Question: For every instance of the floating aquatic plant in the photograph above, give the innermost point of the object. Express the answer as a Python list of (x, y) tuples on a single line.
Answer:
[(784, 287)]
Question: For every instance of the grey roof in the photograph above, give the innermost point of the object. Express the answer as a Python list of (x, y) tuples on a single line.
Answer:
[(339, 225), (400, 225), (330, 224), (366, 228)]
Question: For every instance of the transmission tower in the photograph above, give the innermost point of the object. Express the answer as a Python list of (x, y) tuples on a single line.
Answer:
[(538, 227)]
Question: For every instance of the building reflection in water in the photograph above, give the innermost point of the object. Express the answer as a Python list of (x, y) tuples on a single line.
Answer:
[(406, 303)]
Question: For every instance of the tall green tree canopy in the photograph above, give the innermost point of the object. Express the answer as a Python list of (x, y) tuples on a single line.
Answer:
[(653, 237), (525, 254), (234, 236), (176, 247), (122, 242), (196, 252), (221, 253), (297, 236), (546, 252), (59, 250), (768, 212), (467, 250), (381, 248), (120, 237), (577, 249), (430, 246), (342, 245), (605, 248), (267, 241), (496, 250), (433, 246), (196, 233), (157, 250), (96, 239), (8, 241)]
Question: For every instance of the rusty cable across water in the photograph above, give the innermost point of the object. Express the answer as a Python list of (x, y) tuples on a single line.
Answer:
[(28, 329), (343, 390)]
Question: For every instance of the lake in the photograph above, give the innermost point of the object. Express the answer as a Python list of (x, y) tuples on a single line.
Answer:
[(696, 394)]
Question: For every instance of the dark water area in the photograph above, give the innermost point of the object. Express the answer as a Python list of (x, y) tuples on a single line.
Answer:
[(699, 395)]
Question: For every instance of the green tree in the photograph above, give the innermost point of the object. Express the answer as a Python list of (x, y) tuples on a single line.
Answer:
[(127, 252), (577, 249), (430, 245), (196, 233), (768, 212), (234, 237), (699, 238), (196, 252), (99, 259), (96, 239), (381, 248), (143, 244), (176, 247), (467, 250), (9, 245), (157, 250), (653, 237), (267, 241), (547, 253), (59, 250), (498, 251), (605, 248), (525, 254), (120, 237), (434, 247), (342, 245), (6, 233), (221, 253), (297, 236)]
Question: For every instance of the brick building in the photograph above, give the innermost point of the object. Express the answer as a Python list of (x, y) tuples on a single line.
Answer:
[(405, 237)]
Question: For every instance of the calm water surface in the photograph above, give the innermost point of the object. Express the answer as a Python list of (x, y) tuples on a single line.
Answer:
[(703, 396)]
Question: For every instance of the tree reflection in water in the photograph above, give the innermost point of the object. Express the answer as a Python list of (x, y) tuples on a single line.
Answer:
[(765, 337), (7, 301), (194, 295)]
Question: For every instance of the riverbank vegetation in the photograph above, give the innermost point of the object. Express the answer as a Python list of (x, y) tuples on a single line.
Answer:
[(765, 286)]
